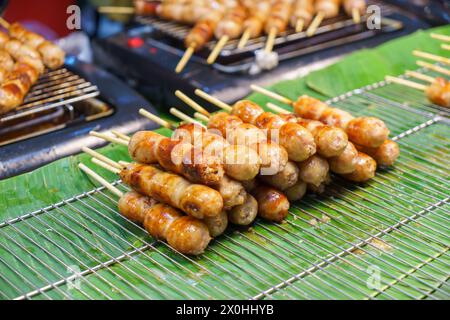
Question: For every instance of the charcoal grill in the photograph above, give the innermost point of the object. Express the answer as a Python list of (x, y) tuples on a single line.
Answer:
[(386, 239)]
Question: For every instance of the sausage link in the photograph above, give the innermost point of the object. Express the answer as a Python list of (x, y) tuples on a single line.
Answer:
[(384, 155), (367, 131), (245, 213), (217, 224), (196, 200), (345, 162), (359, 5), (303, 10), (296, 192), (364, 169), (185, 234), (330, 8), (313, 170), (439, 92), (284, 179), (272, 204)]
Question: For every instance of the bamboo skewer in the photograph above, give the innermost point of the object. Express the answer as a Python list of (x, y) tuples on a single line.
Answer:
[(312, 29), (180, 115), (244, 39), (108, 138), (100, 179), (276, 109), (105, 166), (120, 135), (356, 15), (406, 83), (420, 76), (5, 24), (213, 100), (441, 37), (431, 56), (270, 40), (185, 59), (158, 120), (191, 102), (216, 51), (433, 67), (101, 157), (445, 46), (116, 10), (271, 94), (299, 25), (201, 117)]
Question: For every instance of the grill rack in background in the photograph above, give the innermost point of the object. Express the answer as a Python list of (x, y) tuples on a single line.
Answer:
[(387, 239), (179, 31), (54, 89)]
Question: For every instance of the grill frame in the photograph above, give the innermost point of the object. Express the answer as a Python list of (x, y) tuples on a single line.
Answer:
[(334, 239)]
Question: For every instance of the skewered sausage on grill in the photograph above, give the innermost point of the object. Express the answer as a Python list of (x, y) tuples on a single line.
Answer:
[(258, 13), (313, 170), (384, 155), (365, 168), (279, 15), (350, 5), (298, 142), (272, 204), (284, 179), (217, 224), (52, 55), (297, 191), (365, 131), (203, 30), (272, 155), (185, 234), (330, 8), (439, 92), (245, 213), (196, 200), (345, 162), (183, 158), (232, 23), (303, 13)]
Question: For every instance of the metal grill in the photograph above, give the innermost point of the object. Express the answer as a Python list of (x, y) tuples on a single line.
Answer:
[(386, 239), (54, 89), (178, 31)]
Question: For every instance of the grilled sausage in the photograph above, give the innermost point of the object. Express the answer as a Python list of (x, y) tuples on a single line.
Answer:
[(365, 168), (298, 142), (272, 204), (284, 179), (384, 155), (217, 224), (439, 92), (203, 30), (313, 170), (245, 213), (304, 11), (196, 200), (6, 61), (232, 23), (366, 131), (330, 8), (297, 191), (359, 5), (185, 234), (279, 15), (346, 161)]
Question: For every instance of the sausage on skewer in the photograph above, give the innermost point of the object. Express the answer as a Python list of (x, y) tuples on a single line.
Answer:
[(302, 14)]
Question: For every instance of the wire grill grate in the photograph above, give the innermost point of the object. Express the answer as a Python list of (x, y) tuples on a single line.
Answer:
[(53, 89), (387, 239)]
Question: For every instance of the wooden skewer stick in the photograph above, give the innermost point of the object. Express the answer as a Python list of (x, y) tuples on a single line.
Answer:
[(201, 117), (433, 67), (440, 37), (277, 109), (158, 120), (299, 25), (213, 100), (105, 166), (116, 10), (244, 39), (101, 180), (315, 24), (180, 115), (185, 59), (124, 163), (108, 138), (194, 105), (271, 94), (219, 46), (5, 24), (406, 83), (270, 40), (431, 56), (101, 157), (356, 15), (120, 135), (420, 76), (445, 46)]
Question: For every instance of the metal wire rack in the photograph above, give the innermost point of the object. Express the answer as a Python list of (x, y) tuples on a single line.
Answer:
[(53, 89), (386, 239)]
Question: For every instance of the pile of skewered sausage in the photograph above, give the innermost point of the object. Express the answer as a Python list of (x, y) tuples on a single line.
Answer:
[(24, 55), (246, 163)]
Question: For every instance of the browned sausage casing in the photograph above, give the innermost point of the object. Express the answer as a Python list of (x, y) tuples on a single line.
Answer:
[(297, 191), (284, 179), (384, 155), (217, 224), (439, 92), (345, 162), (245, 213), (272, 204), (196, 200), (314, 170), (364, 170), (185, 234)]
